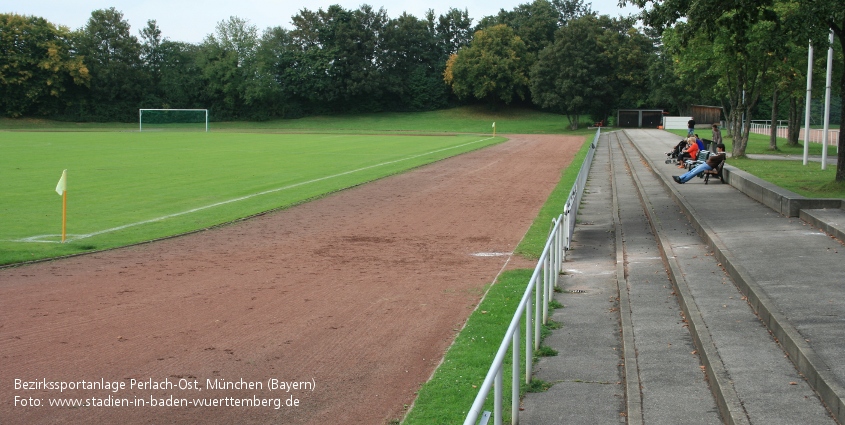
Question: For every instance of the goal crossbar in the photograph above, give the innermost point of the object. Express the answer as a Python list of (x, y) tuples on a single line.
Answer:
[(141, 116)]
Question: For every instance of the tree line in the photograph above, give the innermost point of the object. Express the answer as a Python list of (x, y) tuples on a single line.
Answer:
[(330, 61), (559, 55)]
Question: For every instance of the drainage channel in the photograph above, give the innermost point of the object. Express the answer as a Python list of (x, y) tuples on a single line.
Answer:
[(672, 385)]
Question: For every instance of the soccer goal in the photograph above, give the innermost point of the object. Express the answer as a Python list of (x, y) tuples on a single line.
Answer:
[(172, 119)]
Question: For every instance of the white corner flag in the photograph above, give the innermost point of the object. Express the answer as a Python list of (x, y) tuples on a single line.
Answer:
[(494, 128), (61, 188)]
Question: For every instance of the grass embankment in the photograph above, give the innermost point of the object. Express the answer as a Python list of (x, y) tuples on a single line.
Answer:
[(447, 397), (467, 119), (810, 180)]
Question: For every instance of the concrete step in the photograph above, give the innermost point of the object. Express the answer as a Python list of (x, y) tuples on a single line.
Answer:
[(752, 377), (654, 329)]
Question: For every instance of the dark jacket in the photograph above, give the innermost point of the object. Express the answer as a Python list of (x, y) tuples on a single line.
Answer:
[(715, 160)]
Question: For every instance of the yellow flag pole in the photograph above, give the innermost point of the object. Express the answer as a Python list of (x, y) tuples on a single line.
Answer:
[(64, 215), (61, 189)]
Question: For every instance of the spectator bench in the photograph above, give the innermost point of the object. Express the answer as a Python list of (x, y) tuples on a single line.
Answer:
[(701, 158)]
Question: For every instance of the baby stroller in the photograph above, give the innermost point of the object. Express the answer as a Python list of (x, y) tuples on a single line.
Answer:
[(672, 156)]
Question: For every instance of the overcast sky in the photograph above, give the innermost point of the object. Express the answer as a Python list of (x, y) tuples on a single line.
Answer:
[(192, 20)]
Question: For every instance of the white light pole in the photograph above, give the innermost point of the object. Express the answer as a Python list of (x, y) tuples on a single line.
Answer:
[(808, 103), (827, 102)]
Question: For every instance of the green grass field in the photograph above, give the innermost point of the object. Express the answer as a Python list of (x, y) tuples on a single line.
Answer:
[(466, 119), (126, 187)]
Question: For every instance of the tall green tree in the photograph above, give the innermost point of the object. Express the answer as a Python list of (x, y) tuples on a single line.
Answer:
[(336, 62), (37, 66), (747, 35), (672, 88), (572, 76), (743, 35), (275, 55), (492, 68), (454, 31), (182, 82), (572, 9), (535, 23), (152, 57), (113, 57), (228, 62), (411, 65), (627, 51)]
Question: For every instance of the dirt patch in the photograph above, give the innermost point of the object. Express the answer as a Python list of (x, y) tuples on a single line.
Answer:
[(357, 295)]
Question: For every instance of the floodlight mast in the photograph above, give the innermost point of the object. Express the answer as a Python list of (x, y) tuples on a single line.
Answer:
[(141, 116)]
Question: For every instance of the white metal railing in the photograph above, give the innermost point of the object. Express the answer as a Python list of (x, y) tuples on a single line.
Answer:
[(534, 305), (816, 135)]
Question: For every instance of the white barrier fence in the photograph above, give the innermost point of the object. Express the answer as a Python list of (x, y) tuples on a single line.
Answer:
[(816, 135), (534, 305)]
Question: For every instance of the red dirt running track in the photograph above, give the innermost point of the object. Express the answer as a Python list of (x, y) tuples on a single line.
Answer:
[(351, 300)]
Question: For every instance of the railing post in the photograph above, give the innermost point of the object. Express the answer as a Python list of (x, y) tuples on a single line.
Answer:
[(552, 261), (537, 313), (529, 346), (562, 246), (546, 288), (515, 379), (560, 250), (497, 398)]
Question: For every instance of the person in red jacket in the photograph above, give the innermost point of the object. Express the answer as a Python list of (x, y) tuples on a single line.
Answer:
[(689, 153)]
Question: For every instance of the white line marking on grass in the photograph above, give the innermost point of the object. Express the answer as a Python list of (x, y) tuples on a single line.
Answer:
[(71, 238)]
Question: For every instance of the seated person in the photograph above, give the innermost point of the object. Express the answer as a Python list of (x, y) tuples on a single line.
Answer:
[(690, 152), (708, 165), (700, 143)]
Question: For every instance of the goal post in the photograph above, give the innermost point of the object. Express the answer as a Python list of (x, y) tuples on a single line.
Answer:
[(173, 116)]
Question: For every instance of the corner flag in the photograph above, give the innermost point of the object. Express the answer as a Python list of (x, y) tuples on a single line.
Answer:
[(61, 189), (494, 128)]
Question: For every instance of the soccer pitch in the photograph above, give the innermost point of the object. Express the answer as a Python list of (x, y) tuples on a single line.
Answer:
[(129, 187)]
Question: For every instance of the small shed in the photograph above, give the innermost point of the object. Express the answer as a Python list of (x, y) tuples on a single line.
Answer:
[(676, 123), (639, 118), (705, 116)]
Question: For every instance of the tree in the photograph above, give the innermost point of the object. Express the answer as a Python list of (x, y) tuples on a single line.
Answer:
[(36, 66), (741, 34), (112, 55), (151, 59), (626, 52), (228, 62), (572, 75), (492, 68), (571, 9), (454, 31), (411, 65), (668, 83), (535, 23), (335, 65), (182, 84), (748, 32)]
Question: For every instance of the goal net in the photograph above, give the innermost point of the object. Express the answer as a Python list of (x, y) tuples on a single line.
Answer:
[(173, 119)]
